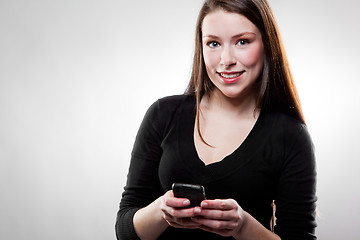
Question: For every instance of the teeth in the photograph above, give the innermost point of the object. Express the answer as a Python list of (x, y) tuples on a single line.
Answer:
[(233, 75)]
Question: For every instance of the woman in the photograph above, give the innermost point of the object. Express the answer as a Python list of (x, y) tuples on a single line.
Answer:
[(239, 131)]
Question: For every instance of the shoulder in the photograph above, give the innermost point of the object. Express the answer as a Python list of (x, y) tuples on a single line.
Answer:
[(175, 100), (290, 141), (298, 147), (288, 131), (294, 128), (169, 104), (162, 112), (285, 124)]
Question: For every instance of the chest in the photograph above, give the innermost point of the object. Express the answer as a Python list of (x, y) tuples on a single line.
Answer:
[(220, 138), (244, 170), (245, 175), (248, 168)]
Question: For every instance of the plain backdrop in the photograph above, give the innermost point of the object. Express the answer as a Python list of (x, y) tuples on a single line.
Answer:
[(76, 78)]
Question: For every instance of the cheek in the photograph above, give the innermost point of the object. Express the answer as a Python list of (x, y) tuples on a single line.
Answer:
[(211, 59), (254, 56)]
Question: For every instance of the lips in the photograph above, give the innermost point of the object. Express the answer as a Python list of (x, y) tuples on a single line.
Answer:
[(230, 77)]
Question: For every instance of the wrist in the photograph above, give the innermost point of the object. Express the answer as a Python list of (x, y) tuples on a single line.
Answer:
[(159, 213), (251, 229), (149, 222), (240, 233)]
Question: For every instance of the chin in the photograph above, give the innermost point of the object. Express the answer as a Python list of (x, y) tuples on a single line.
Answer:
[(237, 93), (232, 94)]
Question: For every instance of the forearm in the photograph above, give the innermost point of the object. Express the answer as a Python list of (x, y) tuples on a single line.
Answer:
[(149, 223), (254, 230)]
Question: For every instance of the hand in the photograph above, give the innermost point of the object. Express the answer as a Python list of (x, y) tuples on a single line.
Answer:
[(223, 217), (174, 212)]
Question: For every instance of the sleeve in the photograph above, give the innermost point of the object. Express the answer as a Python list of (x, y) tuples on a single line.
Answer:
[(142, 186), (296, 192)]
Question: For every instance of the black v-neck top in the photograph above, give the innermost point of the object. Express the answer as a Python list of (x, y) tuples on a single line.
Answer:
[(275, 162)]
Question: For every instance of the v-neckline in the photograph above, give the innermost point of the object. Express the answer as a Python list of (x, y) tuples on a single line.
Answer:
[(187, 144), (228, 156)]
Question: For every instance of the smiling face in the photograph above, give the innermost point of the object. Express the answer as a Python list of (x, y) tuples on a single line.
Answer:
[(233, 53)]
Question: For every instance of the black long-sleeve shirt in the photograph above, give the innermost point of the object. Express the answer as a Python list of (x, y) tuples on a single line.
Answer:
[(275, 162)]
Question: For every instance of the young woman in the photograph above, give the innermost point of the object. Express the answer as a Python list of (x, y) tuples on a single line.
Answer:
[(238, 130)]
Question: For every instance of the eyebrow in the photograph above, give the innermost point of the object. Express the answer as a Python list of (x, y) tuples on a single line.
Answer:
[(236, 36)]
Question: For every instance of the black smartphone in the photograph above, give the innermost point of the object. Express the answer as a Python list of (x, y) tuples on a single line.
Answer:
[(195, 193)]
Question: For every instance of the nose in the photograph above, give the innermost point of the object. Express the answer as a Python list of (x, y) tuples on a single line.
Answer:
[(227, 57)]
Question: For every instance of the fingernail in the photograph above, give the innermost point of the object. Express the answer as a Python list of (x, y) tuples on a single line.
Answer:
[(186, 202), (204, 204), (197, 210)]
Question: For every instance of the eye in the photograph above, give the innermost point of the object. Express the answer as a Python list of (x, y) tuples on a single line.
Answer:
[(242, 42), (213, 44)]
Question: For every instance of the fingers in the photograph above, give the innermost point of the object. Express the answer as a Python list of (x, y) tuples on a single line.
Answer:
[(175, 212), (181, 222), (222, 204), (178, 212), (222, 227), (177, 202), (219, 209), (176, 207), (224, 217), (228, 215), (220, 231), (181, 218)]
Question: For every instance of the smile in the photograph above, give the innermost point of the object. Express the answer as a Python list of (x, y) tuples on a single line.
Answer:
[(230, 77)]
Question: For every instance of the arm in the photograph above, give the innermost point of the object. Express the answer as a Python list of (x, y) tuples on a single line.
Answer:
[(149, 222), (143, 186), (226, 218), (253, 230), (295, 199), (144, 204)]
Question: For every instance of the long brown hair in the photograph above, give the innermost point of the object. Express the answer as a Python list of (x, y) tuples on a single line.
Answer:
[(276, 90)]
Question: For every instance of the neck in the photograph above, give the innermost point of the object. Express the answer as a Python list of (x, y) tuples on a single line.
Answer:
[(217, 101)]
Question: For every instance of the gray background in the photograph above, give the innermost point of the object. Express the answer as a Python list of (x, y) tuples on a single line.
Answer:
[(76, 78)]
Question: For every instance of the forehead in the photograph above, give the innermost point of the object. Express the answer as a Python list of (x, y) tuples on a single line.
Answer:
[(221, 22)]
